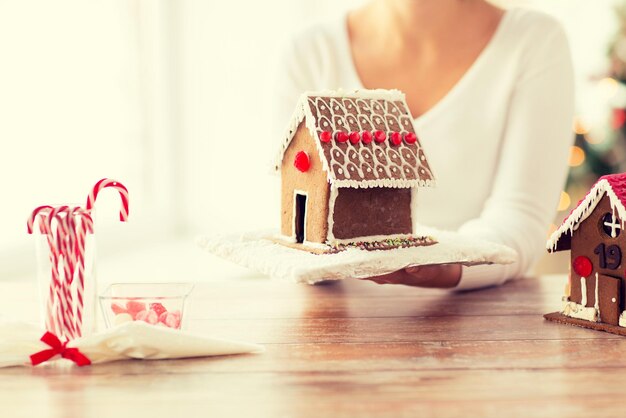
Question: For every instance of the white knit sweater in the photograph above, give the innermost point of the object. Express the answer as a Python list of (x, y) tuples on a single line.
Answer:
[(498, 142)]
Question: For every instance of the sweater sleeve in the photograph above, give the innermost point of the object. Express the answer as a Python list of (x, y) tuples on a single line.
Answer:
[(532, 167)]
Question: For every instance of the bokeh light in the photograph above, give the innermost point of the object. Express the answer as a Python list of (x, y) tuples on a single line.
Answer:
[(576, 156), (564, 201)]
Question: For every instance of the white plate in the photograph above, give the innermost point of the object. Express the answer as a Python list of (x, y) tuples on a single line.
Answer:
[(255, 251)]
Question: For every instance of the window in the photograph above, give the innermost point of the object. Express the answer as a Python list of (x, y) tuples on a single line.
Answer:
[(610, 225)]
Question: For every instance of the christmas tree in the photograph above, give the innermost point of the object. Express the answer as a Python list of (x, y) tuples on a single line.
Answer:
[(600, 149)]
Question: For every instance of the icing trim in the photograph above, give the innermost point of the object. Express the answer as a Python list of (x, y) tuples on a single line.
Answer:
[(596, 303), (584, 209), (414, 205), (578, 311), (334, 192), (399, 184)]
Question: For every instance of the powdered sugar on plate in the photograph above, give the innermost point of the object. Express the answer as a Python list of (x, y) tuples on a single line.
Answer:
[(256, 251)]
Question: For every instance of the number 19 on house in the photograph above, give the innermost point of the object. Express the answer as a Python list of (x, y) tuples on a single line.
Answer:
[(609, 257)]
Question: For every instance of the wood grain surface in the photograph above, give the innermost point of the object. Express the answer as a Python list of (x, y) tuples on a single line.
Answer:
[(347, 349)]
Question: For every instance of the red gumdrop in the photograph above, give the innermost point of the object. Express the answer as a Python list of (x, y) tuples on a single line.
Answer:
[(355, 137), (396, 138), (134, 306), (302, 162), (158, 308), (118, 309), (410, 138), (380, 136), (326, 136), (582, 266), (367, 137), (341, 137), (163, 316)]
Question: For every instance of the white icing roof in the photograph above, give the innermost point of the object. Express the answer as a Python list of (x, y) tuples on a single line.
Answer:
[(376, 164), (614, 186)]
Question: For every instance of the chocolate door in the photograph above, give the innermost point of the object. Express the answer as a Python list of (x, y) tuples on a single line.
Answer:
[(609, 299)]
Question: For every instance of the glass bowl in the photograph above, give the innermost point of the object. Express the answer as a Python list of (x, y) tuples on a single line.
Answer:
[(159, 304)]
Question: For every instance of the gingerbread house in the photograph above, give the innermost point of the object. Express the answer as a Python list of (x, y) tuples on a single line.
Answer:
[(596, 293), (350, 165)]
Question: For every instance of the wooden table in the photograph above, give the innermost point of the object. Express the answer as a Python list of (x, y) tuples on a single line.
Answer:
[(351, 348)]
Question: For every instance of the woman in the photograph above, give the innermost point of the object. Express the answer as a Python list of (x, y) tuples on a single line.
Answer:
[(492, 93)]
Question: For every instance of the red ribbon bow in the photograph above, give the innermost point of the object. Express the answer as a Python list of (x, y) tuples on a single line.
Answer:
[(57, 347)]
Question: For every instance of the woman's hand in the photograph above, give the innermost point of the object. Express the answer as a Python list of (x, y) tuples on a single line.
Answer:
[(442, 276)]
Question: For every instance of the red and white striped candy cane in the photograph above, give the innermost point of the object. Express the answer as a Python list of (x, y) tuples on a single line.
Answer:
[(104, 183), (85, 226), (39, 210), (58, 231), (66, 241), (42, 212), (56, 238), (53, 320)]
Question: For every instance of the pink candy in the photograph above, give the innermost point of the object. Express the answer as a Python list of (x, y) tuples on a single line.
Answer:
[(118, 309), (133, 307), (147, 316), (170, 319), (153, 314)]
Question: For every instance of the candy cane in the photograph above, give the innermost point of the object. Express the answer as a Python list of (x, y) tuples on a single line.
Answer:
[(58, 232), (104, 183), (53, 320), (86, 226), (66, 240), (40, 210), (58, 252), (52, 324)]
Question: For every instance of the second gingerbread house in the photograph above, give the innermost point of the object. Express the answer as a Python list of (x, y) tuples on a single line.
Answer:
[(595, 295)]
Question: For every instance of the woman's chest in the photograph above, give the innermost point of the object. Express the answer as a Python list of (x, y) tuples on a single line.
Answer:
[(425, 78)]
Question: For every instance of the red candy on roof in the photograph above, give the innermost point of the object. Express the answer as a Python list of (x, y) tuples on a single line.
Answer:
[(341, 137), (380, 136), (367, 137), (410, 138), (355, 137)]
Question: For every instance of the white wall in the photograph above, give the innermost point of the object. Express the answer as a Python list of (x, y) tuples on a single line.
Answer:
[(84, 94)]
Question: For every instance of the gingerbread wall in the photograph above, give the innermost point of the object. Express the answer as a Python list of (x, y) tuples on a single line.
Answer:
[(585, 241), (372, 211), (313, 182)]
